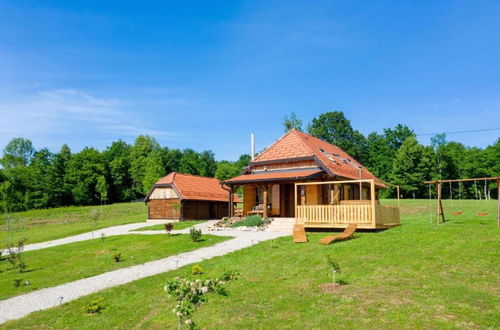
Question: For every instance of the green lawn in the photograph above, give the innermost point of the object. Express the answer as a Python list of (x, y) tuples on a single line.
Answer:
[(418, 275), (65, 263), (177, 225), (49, 224)]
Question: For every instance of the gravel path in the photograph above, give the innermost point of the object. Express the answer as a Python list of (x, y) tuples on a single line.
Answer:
[(20, 306), (109, 231)]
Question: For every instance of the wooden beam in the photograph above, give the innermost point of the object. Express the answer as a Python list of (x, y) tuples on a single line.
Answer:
[(440, 213), (372, 198), (463, 180), (295, 201), (231, 202), (397, 188), (264, 197)]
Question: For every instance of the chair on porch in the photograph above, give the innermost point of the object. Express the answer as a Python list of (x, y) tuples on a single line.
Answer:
[(348, 233), (259, 209)]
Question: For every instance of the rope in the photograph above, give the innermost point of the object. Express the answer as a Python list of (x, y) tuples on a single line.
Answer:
[(460, 194), (476, 194), (485, 196), (451, 197)]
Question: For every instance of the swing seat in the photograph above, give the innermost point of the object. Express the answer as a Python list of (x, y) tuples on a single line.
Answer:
[(482, 213), (456, 212)]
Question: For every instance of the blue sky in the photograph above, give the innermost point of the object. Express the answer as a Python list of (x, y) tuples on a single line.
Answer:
[(206, 74)]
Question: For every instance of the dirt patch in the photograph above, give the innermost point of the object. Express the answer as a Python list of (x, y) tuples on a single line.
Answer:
[(101, 252), (413, 209), (331, 288)]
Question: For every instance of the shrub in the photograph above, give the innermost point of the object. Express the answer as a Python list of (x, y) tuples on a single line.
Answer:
[(95, 306), (17, 282), (168, 227), (117, 257), (190, 294), (197, 270), (251, 221), (195, 234), (334, 267), (15, 256), (230, 275)]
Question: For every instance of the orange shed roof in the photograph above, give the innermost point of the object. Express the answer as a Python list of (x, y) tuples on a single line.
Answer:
[(195, 187)]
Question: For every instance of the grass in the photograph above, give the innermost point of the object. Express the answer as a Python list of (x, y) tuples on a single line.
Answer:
[(418, 275), (49, 224), (65, 263), (177, 225)]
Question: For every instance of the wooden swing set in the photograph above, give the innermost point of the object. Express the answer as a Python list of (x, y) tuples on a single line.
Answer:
[(481, 212)]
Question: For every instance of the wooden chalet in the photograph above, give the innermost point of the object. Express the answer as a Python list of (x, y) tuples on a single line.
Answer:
[(180, 196), (314, 183)]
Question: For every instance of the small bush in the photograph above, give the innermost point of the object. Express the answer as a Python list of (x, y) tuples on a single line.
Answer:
[(335, 268), (17, 282), (195, 234), (117, 257), (168, 227), (230, 275), (95, 306), (197, 270), (251, 221)]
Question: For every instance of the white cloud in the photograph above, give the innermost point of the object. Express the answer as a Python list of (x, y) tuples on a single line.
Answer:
[(70, 113)]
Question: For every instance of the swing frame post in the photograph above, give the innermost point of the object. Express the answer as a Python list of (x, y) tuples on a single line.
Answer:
[(440, 211)]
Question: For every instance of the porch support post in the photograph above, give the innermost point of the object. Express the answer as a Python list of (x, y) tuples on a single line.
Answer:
[(372, 197), (264, 197), (295, 202), (231, 202), (397, 189)]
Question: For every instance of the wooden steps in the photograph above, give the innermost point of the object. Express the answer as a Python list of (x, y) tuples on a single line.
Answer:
[(299, 234)]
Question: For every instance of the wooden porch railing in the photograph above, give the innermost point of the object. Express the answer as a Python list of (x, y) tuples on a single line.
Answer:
[(386, 215), (334, 214), (331, 215)]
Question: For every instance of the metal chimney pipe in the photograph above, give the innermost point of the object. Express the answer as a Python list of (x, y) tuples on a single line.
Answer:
[(252, 145)]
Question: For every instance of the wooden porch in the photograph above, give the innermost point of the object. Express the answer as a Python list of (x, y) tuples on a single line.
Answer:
[(366, 213)]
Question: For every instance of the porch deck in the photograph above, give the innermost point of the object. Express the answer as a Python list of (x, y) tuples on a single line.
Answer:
[(340, 216), (365, 213)]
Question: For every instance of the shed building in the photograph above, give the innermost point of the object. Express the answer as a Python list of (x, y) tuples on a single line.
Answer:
[(180, 196)]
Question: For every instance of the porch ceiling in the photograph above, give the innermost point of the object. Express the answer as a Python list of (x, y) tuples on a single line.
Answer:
[(275, 176)]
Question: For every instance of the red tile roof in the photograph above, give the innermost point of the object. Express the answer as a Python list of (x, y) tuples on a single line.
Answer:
[(291, 175), (194, 187), (295, 144)]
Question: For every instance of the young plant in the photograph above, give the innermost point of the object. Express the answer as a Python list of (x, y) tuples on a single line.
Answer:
[(197, 270), (190, 295), (17, 282), (117, 257), (15, 256), (95, 306), (334, 267), (195, 234), (168, 227), (94, 217)]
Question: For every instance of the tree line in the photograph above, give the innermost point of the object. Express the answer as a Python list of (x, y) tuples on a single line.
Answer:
[(32, 179), (396, 157)]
